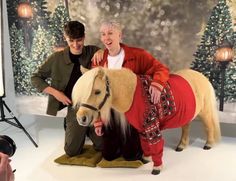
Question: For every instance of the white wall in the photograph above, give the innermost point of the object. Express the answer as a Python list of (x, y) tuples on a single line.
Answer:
[(7, 63)]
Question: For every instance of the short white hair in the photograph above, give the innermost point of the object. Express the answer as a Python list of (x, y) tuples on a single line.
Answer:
[(111, 23)]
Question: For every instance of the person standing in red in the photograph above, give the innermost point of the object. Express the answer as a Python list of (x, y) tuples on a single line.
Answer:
[(116, 56)]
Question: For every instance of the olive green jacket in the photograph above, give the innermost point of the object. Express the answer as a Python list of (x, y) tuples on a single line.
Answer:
[(58, 68)]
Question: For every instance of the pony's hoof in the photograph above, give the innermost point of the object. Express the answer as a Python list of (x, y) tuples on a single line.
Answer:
[(156, 172), (178, 149), (206, 147)]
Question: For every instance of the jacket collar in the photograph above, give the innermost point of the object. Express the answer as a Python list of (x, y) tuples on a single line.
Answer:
[(129, 55), (67, 54)]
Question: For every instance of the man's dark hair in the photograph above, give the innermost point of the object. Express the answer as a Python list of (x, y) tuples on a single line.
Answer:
[(74, 29)]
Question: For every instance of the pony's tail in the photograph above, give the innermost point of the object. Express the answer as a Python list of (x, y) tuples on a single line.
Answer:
[(215, 116)]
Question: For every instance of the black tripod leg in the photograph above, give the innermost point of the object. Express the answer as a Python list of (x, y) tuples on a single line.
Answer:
[(20, 125)]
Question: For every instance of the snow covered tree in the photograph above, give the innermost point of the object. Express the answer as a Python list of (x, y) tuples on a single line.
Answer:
[(42, 47), (218, 29), (20, 61), (58, 20), (41, 15)]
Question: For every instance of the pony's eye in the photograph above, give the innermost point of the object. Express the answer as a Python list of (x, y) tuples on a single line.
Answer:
[(97, 92)]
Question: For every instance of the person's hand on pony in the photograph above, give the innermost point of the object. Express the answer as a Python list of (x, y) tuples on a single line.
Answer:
[(97, 57), (155, 91), (59, 95), (6, 173)]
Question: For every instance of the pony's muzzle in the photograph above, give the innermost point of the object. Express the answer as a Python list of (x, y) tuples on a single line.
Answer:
[(83, 119)]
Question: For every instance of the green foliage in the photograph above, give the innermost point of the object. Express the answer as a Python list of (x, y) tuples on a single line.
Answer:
[(59, 18), (20, 60), (218, 29), (24, 63), (41, 15)]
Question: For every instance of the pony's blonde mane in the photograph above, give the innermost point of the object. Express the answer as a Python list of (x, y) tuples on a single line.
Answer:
[(123, 123), (82, 94)]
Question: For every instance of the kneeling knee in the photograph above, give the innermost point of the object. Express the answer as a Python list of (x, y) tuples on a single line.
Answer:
[(71, 151)]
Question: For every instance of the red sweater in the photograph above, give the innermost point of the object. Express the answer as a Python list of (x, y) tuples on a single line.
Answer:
[(174, 110), (141, 63)]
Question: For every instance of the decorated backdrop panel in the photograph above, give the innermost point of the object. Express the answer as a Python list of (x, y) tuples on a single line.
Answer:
[(171, 30)]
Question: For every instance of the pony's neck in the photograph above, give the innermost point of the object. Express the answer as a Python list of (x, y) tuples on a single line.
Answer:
[(122, 83)]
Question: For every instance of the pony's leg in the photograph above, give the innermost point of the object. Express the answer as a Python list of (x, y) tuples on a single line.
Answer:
[(210, 119), (210, 129), (184, 141)]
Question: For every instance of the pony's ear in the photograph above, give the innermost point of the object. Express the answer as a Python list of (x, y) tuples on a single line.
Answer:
[(83, 69)]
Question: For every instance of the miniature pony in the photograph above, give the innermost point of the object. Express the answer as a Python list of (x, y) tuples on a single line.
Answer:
[(187, 94)]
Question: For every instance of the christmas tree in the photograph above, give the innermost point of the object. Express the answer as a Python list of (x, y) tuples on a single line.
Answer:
[(59, 18), (42, 47), (41, 15), (20, 61), (218, 29)]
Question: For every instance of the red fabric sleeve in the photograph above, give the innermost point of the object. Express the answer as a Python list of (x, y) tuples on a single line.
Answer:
[(153, 67), (143, 63), (98, 123)]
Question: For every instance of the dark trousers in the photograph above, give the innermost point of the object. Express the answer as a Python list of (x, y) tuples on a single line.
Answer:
[(75, 135), (117, 144)]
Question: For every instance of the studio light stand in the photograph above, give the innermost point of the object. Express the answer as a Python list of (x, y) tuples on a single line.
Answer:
[(8, 120)]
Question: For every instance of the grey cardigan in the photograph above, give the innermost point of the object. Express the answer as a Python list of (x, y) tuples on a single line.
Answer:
[(58, 67)]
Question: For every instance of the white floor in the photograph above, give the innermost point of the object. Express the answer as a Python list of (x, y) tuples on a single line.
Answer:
[(193, 164)]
